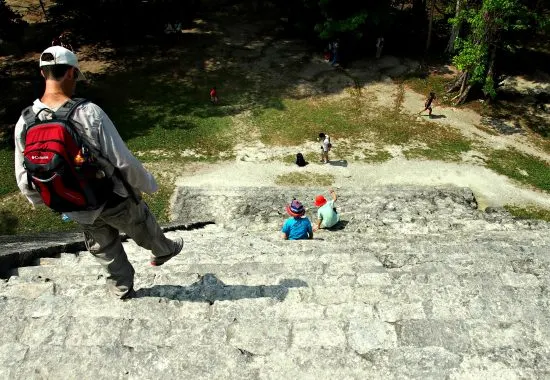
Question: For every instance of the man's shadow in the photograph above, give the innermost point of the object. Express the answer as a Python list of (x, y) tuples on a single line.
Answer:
[(210, 289), (437, 116), (343, 163)]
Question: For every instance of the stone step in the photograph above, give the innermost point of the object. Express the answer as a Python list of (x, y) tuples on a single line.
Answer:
[(405, 209)]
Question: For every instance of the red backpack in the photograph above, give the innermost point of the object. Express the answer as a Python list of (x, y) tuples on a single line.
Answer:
[(59, 165)]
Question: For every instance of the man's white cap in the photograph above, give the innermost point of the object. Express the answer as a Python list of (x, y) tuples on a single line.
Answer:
[(61, 56)]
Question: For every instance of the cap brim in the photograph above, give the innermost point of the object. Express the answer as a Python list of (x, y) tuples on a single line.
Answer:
[(289, 211), (79, 75)]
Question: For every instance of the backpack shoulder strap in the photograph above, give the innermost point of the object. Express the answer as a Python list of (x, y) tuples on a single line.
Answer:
[(29, 117), (64, 112)]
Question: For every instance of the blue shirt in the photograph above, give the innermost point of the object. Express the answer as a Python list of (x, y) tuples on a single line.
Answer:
[(297, 228)]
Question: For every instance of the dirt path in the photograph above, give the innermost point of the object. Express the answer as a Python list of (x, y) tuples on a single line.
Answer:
[(491, 189), (467, 122)]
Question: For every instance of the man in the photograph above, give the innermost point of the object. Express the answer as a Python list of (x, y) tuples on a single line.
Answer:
[(325, 139), (123, 211), (379, 46)]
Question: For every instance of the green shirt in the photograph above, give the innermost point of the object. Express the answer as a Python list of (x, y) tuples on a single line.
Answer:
[(327, 214)]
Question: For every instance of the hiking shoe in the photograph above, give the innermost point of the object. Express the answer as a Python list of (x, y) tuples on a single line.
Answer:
[(130, 294), (159, 260)]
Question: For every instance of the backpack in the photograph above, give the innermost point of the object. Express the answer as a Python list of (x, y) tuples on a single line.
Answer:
[(59, 165), (300, 160)]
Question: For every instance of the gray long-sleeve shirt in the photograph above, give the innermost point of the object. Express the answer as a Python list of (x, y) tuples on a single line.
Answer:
[(99, 132)]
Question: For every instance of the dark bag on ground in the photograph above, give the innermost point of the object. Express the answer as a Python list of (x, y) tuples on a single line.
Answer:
[(300, 160), (59, 165)]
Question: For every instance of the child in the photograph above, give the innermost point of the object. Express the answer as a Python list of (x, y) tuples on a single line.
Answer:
[(428, 104), (300, 160), (297, 227), (213, 95), (327, 216)]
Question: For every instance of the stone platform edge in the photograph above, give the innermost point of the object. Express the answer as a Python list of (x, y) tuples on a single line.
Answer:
[(23, 250)]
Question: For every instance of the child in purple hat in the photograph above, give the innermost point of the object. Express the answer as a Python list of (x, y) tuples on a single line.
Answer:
[(297, 227)]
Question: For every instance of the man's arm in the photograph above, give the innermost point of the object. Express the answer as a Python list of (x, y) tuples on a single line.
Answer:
[(20, 172), (118, 154)]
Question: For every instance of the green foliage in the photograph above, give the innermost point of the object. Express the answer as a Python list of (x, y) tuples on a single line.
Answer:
[(330, 28), (490, 25)]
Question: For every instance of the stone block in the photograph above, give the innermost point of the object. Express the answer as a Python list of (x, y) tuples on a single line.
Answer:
[(365, 335), (259, 337), (323, 333)]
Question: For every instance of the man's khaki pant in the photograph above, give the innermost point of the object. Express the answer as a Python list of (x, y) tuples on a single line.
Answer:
[(103, 241)]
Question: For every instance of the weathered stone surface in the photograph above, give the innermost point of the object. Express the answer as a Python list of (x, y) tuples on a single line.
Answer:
[(367, 335), (418, 284)]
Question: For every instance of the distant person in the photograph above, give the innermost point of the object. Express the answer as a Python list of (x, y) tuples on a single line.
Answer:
[(300, 160), (327, 216), (297, 227), (428, 104), (379, 46), (325, 147), (214, 95), (335, 53), (89, 175)]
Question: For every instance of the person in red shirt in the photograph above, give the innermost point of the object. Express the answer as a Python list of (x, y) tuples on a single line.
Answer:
[(214, 95)]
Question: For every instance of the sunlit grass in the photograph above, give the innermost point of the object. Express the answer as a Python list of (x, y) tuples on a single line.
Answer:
[(304, 179), (521, 167)]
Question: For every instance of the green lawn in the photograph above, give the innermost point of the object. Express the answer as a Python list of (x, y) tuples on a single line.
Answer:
[(521, 167), (161, 110)]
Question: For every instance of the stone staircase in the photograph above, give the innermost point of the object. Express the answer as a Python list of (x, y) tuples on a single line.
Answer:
[(416, 284)]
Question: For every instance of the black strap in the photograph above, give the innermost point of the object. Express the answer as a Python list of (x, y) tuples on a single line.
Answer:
[(65, 111), (29, 181)]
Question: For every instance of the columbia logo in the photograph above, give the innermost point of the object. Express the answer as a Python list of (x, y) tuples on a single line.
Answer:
[(39, 157)]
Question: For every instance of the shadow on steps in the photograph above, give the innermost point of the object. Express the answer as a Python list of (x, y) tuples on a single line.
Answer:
[(210, 289)]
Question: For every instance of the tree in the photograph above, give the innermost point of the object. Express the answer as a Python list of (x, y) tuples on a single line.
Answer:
[(487, 24), (456, 23)]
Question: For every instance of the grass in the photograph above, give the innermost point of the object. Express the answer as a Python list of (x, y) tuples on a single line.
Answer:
[(528, 212), (22, 219), (304, 179), (435, 83), (8, 183), (444, 150), (521, 167), (308, 156)]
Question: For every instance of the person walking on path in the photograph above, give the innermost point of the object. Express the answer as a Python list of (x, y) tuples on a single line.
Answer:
[(379, 46), (214, 95), (325, 147), (327, 216), (297, 227), (428, 104), (124, 210)]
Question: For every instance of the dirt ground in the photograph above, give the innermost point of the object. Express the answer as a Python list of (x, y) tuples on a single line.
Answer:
[(256, 164)]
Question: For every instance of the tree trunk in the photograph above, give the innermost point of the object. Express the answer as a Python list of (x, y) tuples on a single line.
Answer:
[(450, 49), (43, 9), (457, 84), (430, 22)]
